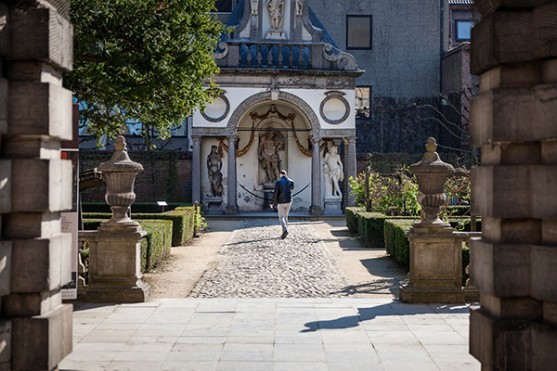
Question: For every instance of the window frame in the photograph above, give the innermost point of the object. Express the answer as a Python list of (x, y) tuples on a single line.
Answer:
[(232, 3), (456, 33), (370, 89), (370, 17)]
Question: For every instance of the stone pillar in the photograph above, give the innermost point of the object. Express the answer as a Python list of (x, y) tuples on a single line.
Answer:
[(435, 250), (316, 196), (514, 263), (232, 207), (35, 185), (350, 170), (196, 170)]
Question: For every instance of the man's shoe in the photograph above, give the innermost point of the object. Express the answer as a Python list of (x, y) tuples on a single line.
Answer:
[(284, 234)]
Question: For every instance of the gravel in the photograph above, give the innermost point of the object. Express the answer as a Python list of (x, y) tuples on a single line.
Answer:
[(257, 263)]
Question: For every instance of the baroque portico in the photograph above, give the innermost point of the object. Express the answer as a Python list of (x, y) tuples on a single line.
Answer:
[(287, 99)]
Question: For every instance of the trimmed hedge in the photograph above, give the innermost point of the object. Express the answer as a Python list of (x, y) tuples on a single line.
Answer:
[(352, 218), (156, 245), (369, 225), (182, 219), (398, 245), (137, 207), (157, 242), (396, 242)]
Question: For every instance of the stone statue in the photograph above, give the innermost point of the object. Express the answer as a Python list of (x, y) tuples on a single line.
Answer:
[(254, 5), (334, 172), (214, 166), (299, 7), (269, 146), (276, 10)]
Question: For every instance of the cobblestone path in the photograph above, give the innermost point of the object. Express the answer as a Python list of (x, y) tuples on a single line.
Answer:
[(256, 263)]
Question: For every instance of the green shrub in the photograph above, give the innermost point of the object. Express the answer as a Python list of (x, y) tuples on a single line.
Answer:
[(136, 207), (92, 223), (351, 214), (464, 223), (394, 194), (396, 242), (370, 225), (465, 263), (181, 217), (155, 247), (158, 242)]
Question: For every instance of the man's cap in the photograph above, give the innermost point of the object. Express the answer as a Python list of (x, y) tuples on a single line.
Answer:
[(283, 172)]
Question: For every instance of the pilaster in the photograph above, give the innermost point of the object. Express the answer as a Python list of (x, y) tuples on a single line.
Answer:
[(35, 185), (316, 194), (232, 207), (514, 188)]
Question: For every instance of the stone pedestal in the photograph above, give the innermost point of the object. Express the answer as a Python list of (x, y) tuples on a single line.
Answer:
[(333, 205), (435, 266), (213, 205), (115, 267)]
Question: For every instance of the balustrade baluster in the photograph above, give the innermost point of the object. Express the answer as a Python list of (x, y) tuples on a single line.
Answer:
[(296, 56), (307, 57), (259, 55), (254, 52), (286, 62), (271, 59), (264, 52), (243, 55)]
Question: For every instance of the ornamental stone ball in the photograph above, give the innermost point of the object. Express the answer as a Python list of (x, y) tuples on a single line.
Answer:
[(431, 173)]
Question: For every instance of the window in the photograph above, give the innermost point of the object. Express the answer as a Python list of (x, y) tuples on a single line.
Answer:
[(358, 32), (363, 101), (224, 6), (463, 29)]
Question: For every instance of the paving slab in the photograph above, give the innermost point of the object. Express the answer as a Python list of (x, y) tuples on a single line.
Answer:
[(352, 320)]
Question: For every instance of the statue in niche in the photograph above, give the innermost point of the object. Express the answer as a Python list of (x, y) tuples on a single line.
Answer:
[(254, 5), (276, 10), (299, 7), (334, 172), (269, 146), (214, 166)]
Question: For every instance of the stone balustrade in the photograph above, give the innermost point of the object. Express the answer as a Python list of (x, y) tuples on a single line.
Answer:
[(283, 55)]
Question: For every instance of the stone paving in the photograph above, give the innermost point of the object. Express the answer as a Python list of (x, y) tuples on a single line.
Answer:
[(272, 305), (257, 263)]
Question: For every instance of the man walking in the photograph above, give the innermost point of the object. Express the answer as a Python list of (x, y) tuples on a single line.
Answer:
[(282, 197)]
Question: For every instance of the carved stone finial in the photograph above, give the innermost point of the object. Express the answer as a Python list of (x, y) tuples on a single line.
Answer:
[(431, 173), (119, 174)]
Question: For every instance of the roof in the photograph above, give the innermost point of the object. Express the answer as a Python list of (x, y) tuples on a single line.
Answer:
[(461, 2)]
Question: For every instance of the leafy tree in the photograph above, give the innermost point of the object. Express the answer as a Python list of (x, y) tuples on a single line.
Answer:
[(147, 61)]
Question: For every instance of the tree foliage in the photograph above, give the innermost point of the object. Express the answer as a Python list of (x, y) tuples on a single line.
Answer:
[(144, 61)]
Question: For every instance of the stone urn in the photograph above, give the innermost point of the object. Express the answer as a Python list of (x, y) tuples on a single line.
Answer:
[(431, 173), (120, 173)]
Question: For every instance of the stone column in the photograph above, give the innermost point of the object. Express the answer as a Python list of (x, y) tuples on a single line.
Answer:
[(316, 196), (350, 170), (232, 207), (514, 263), (35, 185), (196, 170)]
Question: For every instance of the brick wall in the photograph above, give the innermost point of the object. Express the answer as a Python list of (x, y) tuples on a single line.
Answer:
[(166, 176)]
